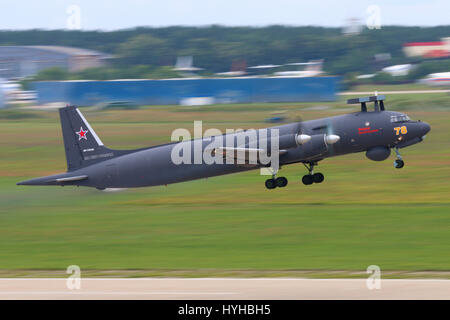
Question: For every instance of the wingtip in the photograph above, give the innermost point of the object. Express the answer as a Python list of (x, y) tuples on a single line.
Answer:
[(23, 183), (33, 182)]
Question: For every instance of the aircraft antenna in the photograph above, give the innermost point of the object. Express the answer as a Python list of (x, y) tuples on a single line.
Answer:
[(377, 100)]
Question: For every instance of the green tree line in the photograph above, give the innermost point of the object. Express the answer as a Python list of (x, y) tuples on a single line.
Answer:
[(216, 48)]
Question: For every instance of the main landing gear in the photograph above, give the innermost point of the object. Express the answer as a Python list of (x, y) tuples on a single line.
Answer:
[(280, 182), (312, 177), (307, 179), (398, 163)]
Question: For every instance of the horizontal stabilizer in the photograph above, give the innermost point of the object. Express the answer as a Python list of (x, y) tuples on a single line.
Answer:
[(59, 179), (69, 179)]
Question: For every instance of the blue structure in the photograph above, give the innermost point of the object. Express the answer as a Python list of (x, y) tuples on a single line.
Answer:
[(2, 95), (163, 92)]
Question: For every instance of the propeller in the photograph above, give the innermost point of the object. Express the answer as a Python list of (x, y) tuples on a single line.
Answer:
[(300, 138), (330, 137)]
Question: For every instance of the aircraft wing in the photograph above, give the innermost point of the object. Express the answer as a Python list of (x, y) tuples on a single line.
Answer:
[(242, 155)]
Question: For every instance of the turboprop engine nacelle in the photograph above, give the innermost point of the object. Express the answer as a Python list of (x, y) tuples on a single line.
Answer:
[(294, 140), (317, 146), (309, 146)]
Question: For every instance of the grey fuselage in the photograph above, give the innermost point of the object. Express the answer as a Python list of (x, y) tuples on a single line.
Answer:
[(154, 166)]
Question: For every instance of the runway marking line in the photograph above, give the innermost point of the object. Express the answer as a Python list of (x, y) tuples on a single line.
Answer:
[(221, 279), (80, 292)]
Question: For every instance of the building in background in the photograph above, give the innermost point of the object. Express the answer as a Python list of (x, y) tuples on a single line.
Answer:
[(185, 65), (436, 49), (23, 61), (437, 79), (312, 68), (398, 69), (352, 27)]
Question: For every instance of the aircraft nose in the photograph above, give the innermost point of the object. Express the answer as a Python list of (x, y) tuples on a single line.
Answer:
[(424, 128)]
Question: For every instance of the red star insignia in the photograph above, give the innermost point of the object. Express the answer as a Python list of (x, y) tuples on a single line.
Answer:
[(82, 134)]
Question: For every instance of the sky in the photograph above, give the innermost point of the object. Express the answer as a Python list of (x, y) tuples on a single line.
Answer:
[(120, 14)]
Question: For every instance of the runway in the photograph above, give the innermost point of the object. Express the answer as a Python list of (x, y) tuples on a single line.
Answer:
[(221, 289)]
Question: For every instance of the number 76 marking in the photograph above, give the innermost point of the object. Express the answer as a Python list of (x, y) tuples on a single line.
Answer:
[(402, 130)]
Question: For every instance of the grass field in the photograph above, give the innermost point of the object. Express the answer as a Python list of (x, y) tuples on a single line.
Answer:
[(390, 87), (364, 213)]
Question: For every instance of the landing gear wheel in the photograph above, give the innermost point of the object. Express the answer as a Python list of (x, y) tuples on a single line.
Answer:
[(318, 177), (307, 179), (398, 164), (281, 182), (312, 177), (271, 184)]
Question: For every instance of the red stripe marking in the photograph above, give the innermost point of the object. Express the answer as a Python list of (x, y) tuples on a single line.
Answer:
[(366, 130)]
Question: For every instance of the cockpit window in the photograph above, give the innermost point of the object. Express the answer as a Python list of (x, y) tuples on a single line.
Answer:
[(400, 118)]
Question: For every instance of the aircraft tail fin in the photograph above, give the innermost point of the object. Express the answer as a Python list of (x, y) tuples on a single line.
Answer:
[(82, 145)]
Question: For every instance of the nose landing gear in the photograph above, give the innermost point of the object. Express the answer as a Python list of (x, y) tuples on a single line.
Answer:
[(398, 163), (312, 177)]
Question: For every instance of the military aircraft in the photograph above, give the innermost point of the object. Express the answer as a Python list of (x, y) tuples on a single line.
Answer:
[(91, 164)]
